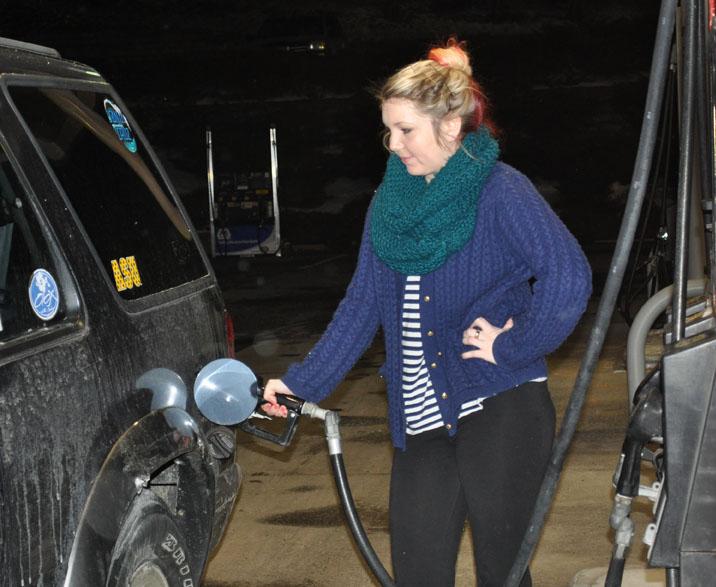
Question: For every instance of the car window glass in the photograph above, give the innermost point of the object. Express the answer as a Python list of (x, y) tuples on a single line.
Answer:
[(142, 240), (30, 298)]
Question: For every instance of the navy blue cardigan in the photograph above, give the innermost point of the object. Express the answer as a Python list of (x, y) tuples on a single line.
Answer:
[(517, 237)]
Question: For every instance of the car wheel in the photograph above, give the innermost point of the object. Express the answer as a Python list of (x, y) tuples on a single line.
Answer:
[(150, 550)]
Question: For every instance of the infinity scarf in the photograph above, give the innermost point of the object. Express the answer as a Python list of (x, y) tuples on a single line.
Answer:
[(416, 225)]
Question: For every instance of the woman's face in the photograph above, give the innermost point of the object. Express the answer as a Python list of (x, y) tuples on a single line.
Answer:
[(412, 138)]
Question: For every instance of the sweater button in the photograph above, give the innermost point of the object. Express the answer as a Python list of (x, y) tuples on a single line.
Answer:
[(443, 395), (426, 299), (430, 333), (433, 365), (440, 353), (448, 426)]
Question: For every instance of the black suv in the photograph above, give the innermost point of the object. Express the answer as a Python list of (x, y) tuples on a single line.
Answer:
[(108, 309)]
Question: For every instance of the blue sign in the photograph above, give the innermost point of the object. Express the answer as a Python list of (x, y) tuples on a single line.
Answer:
[(120, 125), (44, 294), (241, 237)]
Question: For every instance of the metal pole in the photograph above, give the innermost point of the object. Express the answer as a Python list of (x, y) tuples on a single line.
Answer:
[(274, 186), (684, 190), (710, 123), (700, 161), (673, 577), (210, 181)]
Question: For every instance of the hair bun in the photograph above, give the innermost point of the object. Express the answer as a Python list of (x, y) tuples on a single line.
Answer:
[(440, 86), (453, 55)]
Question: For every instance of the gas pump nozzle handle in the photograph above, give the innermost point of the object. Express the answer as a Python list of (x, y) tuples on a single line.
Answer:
[(301, 406), (294, 406), (293, 403)]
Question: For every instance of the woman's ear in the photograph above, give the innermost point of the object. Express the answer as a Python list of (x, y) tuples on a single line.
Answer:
[(450, 128)]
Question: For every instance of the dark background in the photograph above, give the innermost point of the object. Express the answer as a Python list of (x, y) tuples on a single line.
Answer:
[(567, 79)]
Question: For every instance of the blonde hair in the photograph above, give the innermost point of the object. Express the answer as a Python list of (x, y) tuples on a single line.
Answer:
[(441, 86)]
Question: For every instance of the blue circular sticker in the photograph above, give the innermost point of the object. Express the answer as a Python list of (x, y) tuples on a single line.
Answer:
[(120, 125), (44, 294)]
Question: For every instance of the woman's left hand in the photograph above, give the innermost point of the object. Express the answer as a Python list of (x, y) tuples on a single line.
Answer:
[(481, 334)]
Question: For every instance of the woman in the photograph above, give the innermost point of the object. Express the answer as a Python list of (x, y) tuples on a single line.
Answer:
[(473, 279)]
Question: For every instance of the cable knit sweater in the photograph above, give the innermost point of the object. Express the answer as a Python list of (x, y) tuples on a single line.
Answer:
[(517, 236)]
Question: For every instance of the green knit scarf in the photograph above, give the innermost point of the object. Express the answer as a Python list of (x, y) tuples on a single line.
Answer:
[(416, 225)]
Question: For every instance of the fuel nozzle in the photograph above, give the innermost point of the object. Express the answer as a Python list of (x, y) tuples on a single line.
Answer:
[(297, 407), (227, 392), (293, 404)]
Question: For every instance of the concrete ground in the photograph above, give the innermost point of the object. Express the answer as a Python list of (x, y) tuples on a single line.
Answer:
[(287, 528)]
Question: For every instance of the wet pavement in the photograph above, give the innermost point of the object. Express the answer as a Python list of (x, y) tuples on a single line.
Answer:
[(287, 528)]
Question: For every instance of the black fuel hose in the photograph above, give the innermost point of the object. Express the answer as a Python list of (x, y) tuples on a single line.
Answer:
[(607, 302), (331, 421), (349, 509), (615, 572)]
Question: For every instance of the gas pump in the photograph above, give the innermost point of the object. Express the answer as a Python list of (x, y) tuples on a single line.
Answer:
[(673, 419), (244, 215), (672, 425)]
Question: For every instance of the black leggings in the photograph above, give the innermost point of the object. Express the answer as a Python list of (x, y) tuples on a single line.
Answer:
[(489, 474)]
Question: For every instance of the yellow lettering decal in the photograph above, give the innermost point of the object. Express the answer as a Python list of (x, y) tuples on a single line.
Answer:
[(134, 270), (118, 279), (126, 273), (124, 266)]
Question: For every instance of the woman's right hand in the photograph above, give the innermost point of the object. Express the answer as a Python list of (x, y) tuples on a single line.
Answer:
[(271, 389)]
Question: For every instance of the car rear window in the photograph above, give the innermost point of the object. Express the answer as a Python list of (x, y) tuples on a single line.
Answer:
[(142, 240)]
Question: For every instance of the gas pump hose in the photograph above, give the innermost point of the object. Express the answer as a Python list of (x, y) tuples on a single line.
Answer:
[(331, 422), (359, 535)]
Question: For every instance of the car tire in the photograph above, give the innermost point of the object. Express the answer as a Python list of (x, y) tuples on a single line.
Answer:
[(150, 550)]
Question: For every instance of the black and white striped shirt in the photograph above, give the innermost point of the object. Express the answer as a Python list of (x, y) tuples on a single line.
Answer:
[(419, 401)]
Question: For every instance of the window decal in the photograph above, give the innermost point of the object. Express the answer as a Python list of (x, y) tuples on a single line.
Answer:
[(120, 125), (44, 294), (126, 273)]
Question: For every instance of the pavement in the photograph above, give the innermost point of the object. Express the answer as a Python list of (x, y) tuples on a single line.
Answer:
[(287, 528)]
